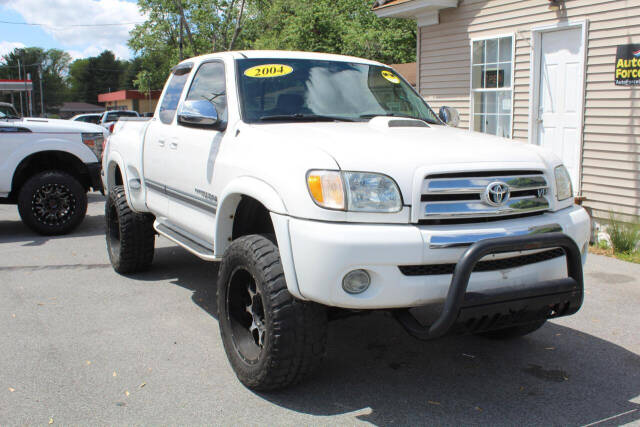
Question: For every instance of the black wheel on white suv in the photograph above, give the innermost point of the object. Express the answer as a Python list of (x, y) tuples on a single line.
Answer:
[(52, 203), (272, 339), (130, 235)]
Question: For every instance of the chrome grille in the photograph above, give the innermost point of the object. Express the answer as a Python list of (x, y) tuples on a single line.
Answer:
[(465, 195)]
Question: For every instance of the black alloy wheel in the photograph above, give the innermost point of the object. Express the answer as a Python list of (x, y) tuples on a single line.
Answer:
[(246, 315), (272, 339), (53, 205), (52, 202)]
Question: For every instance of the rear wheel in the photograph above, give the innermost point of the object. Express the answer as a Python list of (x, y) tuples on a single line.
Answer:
[(130, 235), (513, 331), (272, 339), (52, 203)]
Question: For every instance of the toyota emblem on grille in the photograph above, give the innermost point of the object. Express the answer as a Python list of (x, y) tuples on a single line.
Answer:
[(497, 194)]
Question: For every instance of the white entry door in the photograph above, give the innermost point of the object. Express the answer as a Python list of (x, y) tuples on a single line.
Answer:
[(560, 97)]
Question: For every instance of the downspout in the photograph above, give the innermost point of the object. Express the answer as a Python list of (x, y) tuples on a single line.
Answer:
[(418, 57)]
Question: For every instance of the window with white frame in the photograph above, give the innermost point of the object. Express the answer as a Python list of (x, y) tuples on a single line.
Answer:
[(491, 85)]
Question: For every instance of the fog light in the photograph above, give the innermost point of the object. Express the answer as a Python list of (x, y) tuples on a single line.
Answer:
[(356, 282)]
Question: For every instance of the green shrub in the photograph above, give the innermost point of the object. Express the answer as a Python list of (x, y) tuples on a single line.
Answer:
[(624, 237)]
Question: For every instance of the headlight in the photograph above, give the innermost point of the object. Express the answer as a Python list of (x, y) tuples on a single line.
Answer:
[(354, 191), (372, 192), (564, 190)]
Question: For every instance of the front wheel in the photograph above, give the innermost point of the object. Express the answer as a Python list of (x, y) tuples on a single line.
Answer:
[(272, 340), (52, 203)]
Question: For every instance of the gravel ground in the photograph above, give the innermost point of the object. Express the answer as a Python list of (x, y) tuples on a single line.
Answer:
[(83, 345)]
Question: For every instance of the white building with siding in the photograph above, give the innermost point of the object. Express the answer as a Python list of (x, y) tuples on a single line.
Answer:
[(543, 71)]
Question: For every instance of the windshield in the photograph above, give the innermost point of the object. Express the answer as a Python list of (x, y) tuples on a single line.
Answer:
[(302, 89), (7, 112), (112, 117)]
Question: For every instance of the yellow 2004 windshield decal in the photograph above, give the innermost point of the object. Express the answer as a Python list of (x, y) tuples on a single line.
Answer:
[(390, 76), (268, 70)]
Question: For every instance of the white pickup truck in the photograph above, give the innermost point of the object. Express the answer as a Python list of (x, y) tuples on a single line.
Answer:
[(326, 185), (46, 168)]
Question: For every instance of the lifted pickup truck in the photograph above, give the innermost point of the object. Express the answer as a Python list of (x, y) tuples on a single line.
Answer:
[(326, 185), (46, 168)]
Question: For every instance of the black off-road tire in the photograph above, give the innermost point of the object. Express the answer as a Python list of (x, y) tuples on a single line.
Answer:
[(294, 331), (130, 235), (52, 203), (513, 331)]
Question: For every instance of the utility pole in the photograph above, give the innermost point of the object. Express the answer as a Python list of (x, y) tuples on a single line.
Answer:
[(30, 94), (41, 91), (20, 92), (24, 77), (180, 39)]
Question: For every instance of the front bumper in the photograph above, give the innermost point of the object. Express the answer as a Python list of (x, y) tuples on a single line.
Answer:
[(473, 312), (323, 252)]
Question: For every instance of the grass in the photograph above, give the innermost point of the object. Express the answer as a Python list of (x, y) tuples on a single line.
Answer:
[(624, 239), (629, 257)]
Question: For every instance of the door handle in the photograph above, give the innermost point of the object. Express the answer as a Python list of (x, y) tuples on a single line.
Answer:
[(161, 142), (173, 145)]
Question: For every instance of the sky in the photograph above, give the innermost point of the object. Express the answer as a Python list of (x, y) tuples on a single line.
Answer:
[(67, 25)]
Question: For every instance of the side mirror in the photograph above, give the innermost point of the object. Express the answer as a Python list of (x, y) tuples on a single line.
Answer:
[(449, 116), (198, 113)]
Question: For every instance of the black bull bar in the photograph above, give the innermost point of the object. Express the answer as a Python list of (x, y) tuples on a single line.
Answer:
[(503, 307)]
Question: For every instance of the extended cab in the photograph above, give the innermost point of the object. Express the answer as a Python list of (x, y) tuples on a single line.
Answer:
[(46, 168), (325, 185)]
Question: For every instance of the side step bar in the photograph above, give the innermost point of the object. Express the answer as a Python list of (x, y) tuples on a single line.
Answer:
[(499, 309), (186, 242)]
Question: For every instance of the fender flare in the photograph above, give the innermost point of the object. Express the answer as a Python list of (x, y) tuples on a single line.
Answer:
[(115, 159), (229, 200)]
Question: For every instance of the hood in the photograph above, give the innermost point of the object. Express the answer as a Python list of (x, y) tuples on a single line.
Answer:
[(409, 153), (40, 125)]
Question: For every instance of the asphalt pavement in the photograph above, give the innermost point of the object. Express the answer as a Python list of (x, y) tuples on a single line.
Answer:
[(80, 344)]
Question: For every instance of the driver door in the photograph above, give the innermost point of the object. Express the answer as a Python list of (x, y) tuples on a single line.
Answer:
[(192, 199)]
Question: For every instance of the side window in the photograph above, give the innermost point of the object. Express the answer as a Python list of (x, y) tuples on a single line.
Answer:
[(172, 96), (209, 83)]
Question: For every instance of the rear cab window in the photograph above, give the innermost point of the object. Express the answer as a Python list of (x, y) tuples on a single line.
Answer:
[(172, 94)]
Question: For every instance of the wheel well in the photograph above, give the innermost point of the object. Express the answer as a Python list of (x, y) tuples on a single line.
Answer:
[(251, 217), (49, 160), (117, 175)]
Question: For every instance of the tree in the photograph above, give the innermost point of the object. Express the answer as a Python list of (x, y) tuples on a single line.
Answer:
[(347, 27), (90, 77), (209, 26), (54, 64)]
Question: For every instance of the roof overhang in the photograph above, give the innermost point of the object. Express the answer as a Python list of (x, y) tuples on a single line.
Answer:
[(425, 12), (15, 85)]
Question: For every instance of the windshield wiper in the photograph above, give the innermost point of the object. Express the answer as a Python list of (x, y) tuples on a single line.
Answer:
[(371, 116), (305, 118)]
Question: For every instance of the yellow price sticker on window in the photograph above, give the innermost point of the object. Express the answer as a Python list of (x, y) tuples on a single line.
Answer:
[(391, 77), (268, 70)]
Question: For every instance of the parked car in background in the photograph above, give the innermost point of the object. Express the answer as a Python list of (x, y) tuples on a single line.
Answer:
[(326, 186), (46, 168), (109, 118), (8, 111), (87, 118)]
